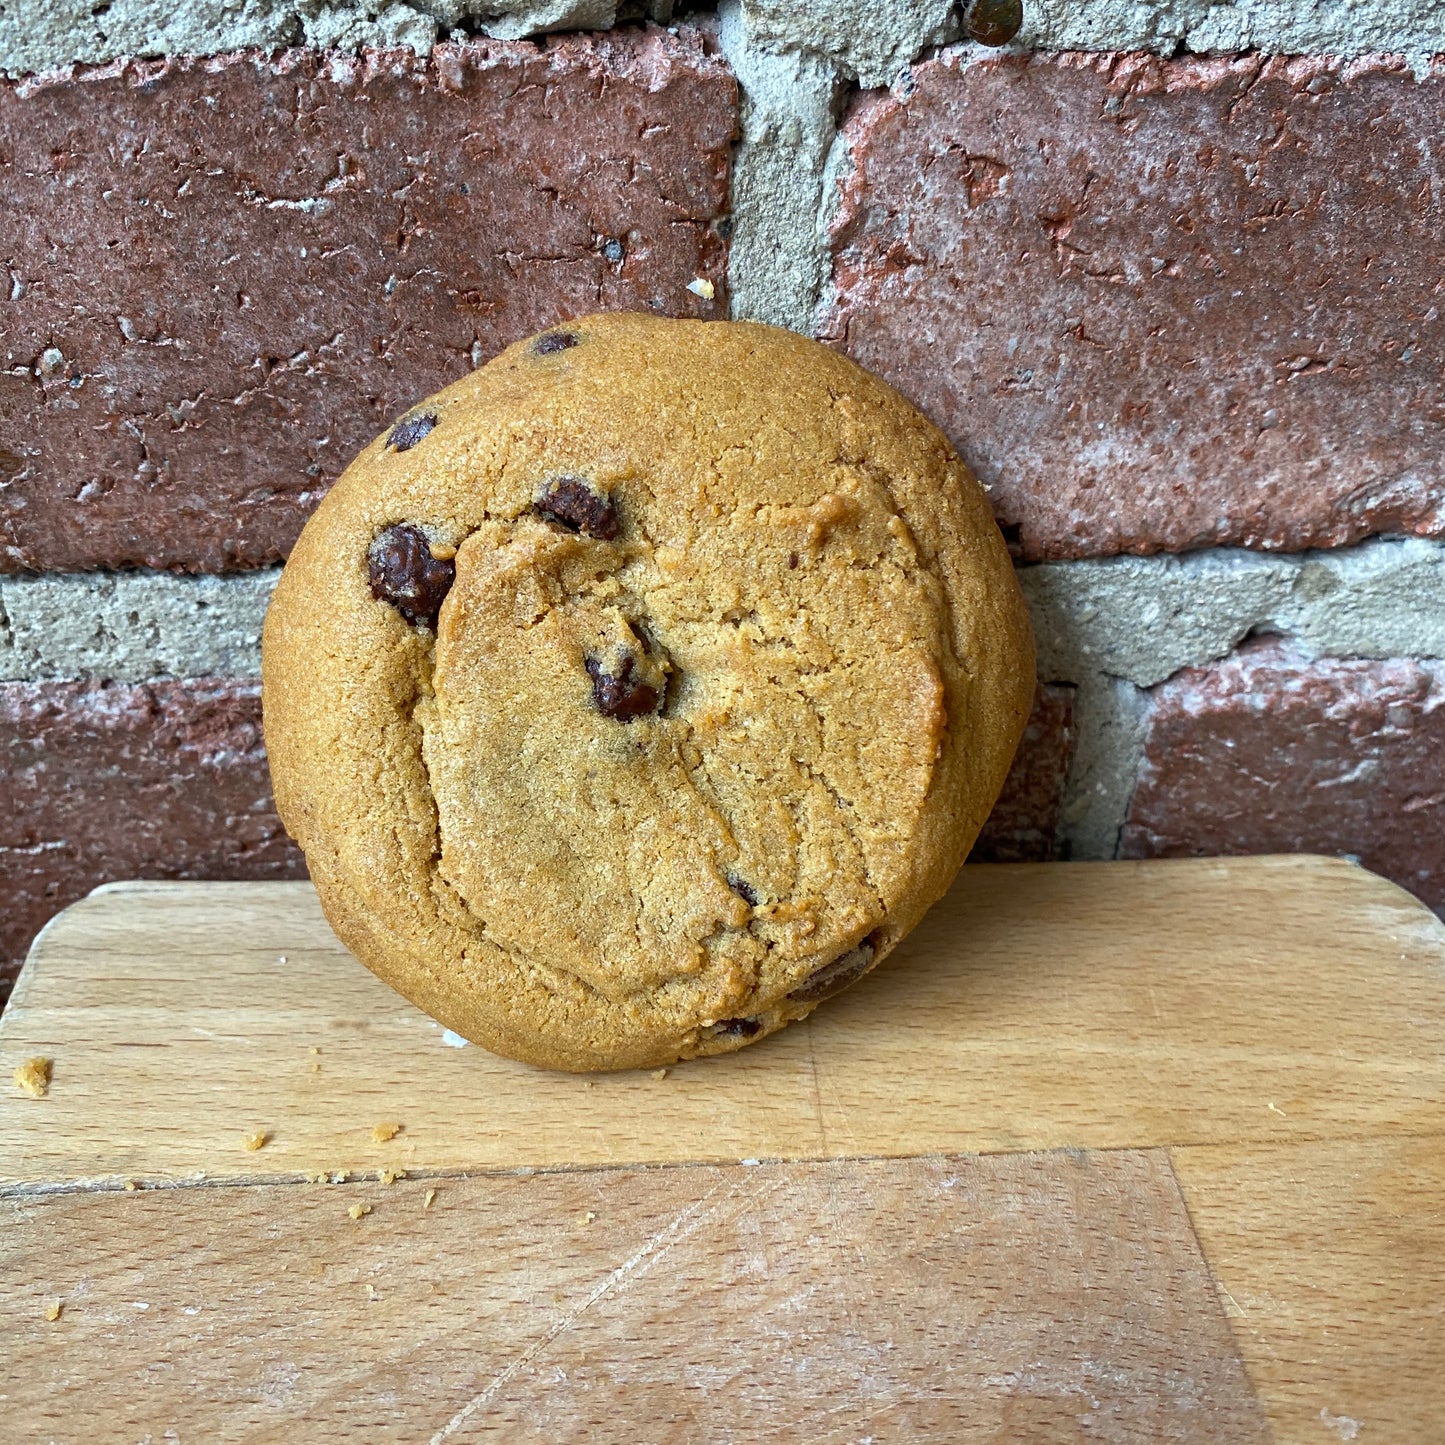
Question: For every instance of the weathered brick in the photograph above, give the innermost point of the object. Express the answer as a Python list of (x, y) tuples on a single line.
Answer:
[(226, 275), (1024, 824), (1161, 304), (104, 781), (1269, 752)]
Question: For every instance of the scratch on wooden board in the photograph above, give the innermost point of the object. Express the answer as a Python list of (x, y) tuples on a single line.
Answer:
[(628, 1272), (223, 1038), (849, 1431), (1234, 1303), (817, 1089), (843, 1119)]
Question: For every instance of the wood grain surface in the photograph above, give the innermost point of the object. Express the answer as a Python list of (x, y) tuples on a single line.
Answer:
[(1330, 1259), (1087, 1005), (1185, 1180), (1026, 1296)]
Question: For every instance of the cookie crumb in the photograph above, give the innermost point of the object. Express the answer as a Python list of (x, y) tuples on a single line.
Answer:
[(339, 1176), (53, 1309), (255, 1139), (382, 1133), (130, 1186), (701, 286), (33, 1078), (586, 1217), (426, 1203), (371, 1293), (589, 1083), (659, 1074), (358, 1210), (389, 1176)]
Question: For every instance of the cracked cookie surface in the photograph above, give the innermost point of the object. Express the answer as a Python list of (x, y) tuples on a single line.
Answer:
[(647, 697)]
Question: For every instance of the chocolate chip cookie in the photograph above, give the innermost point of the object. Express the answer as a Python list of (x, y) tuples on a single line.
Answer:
[(643, 688)]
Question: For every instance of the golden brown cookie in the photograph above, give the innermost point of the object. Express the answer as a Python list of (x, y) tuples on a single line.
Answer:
[(643, 688)]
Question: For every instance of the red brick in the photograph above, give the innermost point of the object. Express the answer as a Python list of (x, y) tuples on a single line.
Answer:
[(1024, 824), (250, 264), (106, 780), (1161, 304), (1266, 752)]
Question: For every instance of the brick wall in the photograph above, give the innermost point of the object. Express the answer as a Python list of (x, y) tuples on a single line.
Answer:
[(1181, 312)]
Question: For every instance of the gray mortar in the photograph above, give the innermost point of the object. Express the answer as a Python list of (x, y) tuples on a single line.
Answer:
[(1144, 618), (1414, 28), (870, 40), (132, 626), (873, 40), (1110, 718), (788, 119), (39, 35)]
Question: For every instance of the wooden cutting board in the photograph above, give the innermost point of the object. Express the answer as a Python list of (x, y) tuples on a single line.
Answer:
[(1107, 1152)]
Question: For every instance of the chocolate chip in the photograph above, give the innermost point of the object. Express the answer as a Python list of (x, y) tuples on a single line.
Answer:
[(553, 341), (736, 1028), (993, 22), (792, 561), (836, 976), (620, 695), (743, 889), (571, 503), (404, 573), (410, 430)]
